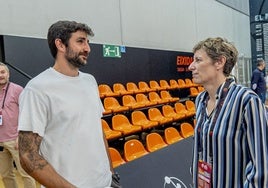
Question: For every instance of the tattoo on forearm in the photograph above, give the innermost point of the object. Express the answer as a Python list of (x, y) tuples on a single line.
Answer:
[(29, 144)]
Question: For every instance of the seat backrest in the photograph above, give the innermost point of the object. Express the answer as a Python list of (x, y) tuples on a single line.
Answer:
[(128, 100), (116, 157), (153, 96), (119, 121), (104, 89), (164, 84), (134, 149), (181, 83), (153, 113), (188, 82), (173, 83), (179, 107), (186, 129), (172, 135), (105, 125), (119, 88), (154, 85), (131, 86), (143, 86), (194, 91), (190, 105), (138, 116), (110, 103), (154, 140), (167, 110), (165, 95), (200, 89), (140, 97)]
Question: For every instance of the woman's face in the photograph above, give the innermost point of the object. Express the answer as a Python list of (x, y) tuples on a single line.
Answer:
[(203, 68)]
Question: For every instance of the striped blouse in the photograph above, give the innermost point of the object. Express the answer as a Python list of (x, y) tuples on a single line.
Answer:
[(239, 140)]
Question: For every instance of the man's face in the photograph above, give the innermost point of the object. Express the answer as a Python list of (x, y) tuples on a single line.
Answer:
[(78, 49), (4, 75)]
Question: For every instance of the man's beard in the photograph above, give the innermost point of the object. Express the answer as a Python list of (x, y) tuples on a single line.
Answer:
[(73, 58)]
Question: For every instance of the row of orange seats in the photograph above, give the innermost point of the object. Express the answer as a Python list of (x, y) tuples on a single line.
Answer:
[(134, 148), (118, 89), (129, 102), (123, 126)]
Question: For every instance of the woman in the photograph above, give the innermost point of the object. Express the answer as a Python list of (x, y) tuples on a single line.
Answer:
[(231, 136)]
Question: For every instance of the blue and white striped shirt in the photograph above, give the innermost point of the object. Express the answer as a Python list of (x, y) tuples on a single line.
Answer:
[(239, 140)]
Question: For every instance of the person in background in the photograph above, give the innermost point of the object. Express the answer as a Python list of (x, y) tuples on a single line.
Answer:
[(258, 84), (9, 101), (61, 141), (266, 81), (231, 135)]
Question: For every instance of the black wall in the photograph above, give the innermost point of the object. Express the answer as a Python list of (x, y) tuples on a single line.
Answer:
[(258, 25), (32, 56)]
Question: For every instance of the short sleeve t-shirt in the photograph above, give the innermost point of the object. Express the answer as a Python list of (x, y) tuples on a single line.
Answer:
[(66, 112)]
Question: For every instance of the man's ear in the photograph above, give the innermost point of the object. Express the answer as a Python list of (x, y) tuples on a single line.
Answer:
[(60, 46)]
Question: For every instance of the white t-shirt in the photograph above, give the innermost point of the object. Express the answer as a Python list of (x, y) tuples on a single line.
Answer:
[(66, 112)]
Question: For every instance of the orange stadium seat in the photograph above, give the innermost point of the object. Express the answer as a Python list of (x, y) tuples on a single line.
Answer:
[(132, 87), (143, 86), (142, 98), (109, 133), (130, 101), (164, 84), (181, 83), (168, 111), (120, 89), (155, 115), (166, 95), (116, 157), (134, 149), (181, 109), (173, 84), (140, 119), (190, 106), (106, 91), (121, 123), (154, 85), (200, 89), (154, 97), (189, 82), (193, 91), (111, 103), (187, 130), (172, 135), (154, 141)]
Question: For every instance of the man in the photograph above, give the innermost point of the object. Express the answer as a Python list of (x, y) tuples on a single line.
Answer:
[(61, 140), (9, 101), (258, 84)]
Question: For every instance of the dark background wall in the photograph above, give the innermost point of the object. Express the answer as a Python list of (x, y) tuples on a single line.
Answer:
[(32, 56), (259, 30)]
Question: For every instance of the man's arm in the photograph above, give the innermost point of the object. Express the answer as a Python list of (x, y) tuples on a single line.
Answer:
[(35, 165)]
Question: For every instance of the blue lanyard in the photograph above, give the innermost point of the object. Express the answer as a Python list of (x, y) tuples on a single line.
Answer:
[(3, 103), (216, 112)]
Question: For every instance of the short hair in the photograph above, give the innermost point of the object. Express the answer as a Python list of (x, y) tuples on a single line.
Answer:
[(63, 30), (4, 65), (260, 62), (218, 47)]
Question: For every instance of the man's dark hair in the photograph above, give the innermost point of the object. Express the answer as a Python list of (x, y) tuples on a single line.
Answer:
[(260, 62), (63, 30)]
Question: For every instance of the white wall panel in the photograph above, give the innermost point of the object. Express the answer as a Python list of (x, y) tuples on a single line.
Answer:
[(157, 24), (32, 18)]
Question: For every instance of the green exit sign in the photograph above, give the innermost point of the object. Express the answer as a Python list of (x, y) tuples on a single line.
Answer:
[(111, 51)]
